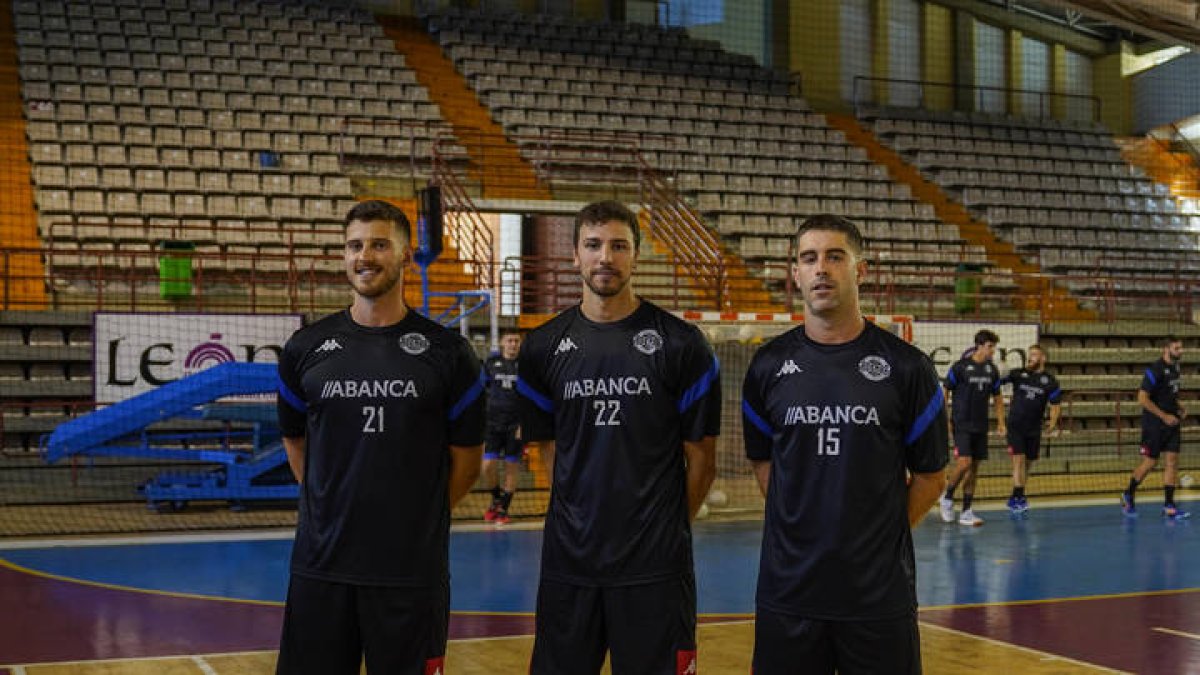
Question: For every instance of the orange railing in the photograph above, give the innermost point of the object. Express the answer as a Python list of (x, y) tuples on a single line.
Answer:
[(311, 281)]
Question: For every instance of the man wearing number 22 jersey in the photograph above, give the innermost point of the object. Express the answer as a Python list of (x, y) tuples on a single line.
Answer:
[(626, 399)]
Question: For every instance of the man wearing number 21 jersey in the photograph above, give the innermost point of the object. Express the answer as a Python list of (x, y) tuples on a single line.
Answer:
[(625, 399), (382, 417), (838, 414)]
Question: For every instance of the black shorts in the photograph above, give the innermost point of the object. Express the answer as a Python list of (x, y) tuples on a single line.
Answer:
[(1022, 443), (1159, 438), (650, 629), (501, 442), (329, 627), (792, 645), (971, 444)]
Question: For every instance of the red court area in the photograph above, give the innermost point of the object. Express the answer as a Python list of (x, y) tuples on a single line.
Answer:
[(1143, 633), (44, 620)]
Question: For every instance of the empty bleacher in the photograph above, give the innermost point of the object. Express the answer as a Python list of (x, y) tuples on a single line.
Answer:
[(749, 155), (1060, 192), (215, 122)]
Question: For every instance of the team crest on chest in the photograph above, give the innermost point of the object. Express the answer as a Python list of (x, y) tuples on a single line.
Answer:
[(648, 341), (874, 368), (1045, 380), (414, 343)]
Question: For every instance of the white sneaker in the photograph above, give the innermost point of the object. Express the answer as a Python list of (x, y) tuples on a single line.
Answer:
[(947, 508), (968, 517)]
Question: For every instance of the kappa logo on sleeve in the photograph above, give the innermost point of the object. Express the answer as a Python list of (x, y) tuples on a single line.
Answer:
[(565, 345), (329, 345)]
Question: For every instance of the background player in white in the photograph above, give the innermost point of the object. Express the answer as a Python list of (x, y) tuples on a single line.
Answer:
[(503, 440), (971, 383), (382, 417), (1033, 389), (624, 400), (1161, 418), (838, 413)]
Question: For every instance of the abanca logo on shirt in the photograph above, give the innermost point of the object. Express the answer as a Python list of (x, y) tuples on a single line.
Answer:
[(831, 414), (369, 388), (606, 386)]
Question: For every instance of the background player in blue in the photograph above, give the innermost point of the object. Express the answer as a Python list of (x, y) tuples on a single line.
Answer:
[(837, 413), (1161, 417), (503, 440), (1033, 388), (626, 399), (971, 383), (382, 417)]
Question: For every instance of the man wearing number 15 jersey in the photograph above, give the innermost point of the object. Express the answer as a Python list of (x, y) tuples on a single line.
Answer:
[(382, 417), (625, 399), (838, 413)]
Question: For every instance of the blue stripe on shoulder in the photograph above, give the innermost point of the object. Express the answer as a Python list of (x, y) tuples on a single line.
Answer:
[(701, 388), (539, 399), (951, 380), (468, 397), (1150, 376), (927, 416), (1055, 395), (754, 418), (290, 397)]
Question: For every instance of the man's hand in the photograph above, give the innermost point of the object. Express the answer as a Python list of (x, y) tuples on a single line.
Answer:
[(1170, 420)]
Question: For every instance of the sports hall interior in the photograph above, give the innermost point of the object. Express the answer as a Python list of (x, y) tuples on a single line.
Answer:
[(1029, 163)]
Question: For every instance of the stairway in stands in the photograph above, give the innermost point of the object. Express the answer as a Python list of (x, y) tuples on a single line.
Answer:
[(1055, 303), (21, 286), (495, 161), (1172, 168)]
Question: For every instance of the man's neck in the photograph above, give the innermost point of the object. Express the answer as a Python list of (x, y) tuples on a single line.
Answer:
[(607, 309), (386, 310), (834, 329), (979, 358)]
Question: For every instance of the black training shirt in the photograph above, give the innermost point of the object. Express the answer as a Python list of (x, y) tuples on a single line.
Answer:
[(379, 408), (1032, 391), (841, 426), (971, 386), (618, 400)]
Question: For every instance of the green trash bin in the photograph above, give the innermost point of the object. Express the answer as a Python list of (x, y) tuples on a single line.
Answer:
[(175, 269), (968, 284)]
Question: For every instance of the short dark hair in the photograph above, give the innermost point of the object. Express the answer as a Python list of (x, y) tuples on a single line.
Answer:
[(831, 223), (985, 336), (1039, 348), (376, 209), (597, 213), (1171, 339)]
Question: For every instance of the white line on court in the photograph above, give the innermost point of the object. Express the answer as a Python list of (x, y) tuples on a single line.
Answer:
[(127, 659), (1045, 656), (18, 670), (204, 665), (1177, 633), (243, 535)]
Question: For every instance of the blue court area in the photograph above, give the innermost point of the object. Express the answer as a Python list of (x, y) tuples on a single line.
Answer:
[(1055, 553)]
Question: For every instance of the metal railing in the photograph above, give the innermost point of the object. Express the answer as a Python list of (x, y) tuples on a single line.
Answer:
[(919, 95)]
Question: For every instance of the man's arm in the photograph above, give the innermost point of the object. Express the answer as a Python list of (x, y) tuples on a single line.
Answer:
[(296, 448), (701, 470), (923, 491), (1167, 418), (762, 472), (1001, 425), (547, 450), (464, 470), (1055, 413)]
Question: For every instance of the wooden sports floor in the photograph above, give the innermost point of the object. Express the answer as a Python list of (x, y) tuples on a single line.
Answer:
[(1076, 589)]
